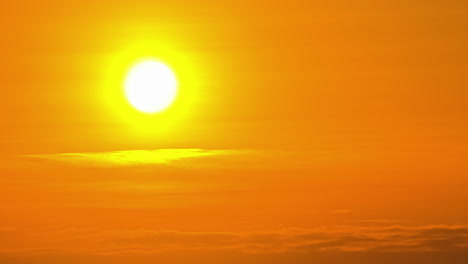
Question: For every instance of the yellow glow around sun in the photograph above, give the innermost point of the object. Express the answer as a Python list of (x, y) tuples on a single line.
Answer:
[(150, 90), (150, 86)]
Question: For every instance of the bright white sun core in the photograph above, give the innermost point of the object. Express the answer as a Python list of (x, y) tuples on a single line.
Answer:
[(150, 86)]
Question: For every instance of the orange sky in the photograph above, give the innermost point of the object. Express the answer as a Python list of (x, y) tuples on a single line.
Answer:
[(305, 131)]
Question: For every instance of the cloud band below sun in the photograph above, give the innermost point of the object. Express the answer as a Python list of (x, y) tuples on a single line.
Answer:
[(130, 157)]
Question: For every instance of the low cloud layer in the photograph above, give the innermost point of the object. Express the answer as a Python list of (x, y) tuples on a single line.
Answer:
[(332, 239), (346, 239)]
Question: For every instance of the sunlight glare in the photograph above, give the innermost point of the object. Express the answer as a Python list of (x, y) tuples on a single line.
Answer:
[(150, 86)]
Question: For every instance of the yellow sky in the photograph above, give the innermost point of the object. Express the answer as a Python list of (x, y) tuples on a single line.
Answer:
[(330, 131)]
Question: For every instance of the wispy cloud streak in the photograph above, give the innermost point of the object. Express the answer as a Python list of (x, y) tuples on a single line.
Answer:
[(130, 157)]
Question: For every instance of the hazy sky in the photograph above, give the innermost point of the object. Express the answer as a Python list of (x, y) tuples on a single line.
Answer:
[(329, 132)]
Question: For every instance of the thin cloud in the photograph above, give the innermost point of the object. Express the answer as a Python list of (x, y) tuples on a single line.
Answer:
[(130, 157), (341, 211)]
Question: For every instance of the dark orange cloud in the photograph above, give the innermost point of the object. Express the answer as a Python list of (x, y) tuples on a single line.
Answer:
[(430, 238)]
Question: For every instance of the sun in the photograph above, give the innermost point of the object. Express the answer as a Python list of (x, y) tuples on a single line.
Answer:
[(150, 86)]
